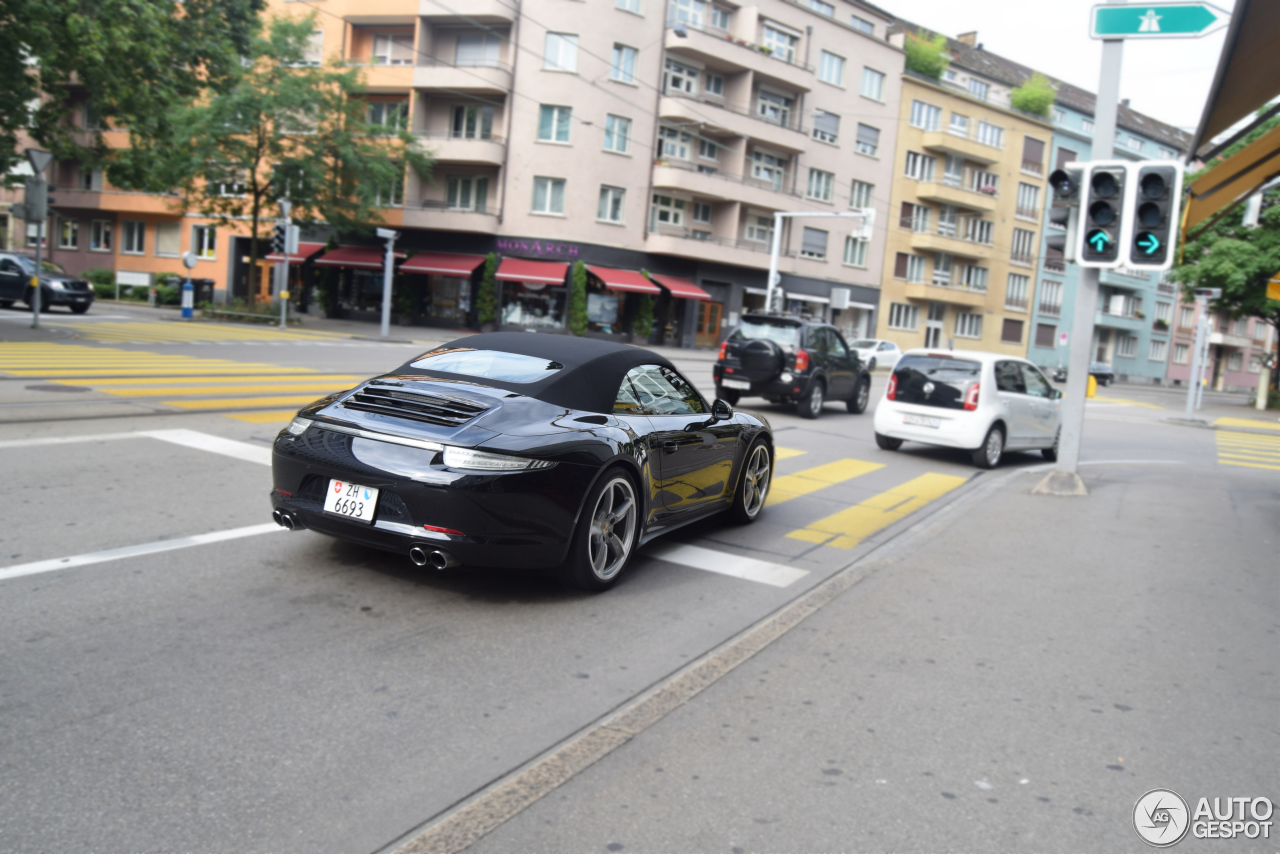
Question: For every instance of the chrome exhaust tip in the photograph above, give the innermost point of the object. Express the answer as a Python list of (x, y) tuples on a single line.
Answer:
[(285, 519), (418, 555), (442, 559)]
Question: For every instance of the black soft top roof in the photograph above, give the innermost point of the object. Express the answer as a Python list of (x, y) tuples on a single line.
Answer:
[(593, 370)]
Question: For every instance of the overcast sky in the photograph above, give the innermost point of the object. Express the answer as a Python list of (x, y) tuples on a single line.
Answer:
[(1167, 79)]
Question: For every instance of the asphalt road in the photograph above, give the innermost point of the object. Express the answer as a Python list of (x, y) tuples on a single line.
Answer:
[(285, 692)]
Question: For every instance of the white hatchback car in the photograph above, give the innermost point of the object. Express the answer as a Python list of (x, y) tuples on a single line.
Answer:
[(876, 352), (983, 403)]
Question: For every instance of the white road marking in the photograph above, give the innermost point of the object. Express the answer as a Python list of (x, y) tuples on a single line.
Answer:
[(186, 438), (40, 566), (746, 568)]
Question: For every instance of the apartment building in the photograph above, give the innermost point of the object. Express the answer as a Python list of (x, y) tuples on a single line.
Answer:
[(1237, 347), (1135, 311), (966, 208)]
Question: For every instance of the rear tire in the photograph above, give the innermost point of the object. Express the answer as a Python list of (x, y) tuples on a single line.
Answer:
[(606, 534), (887, 443), (810, 406), (988, 454), (753, 485), (5, 303), (861, 397)]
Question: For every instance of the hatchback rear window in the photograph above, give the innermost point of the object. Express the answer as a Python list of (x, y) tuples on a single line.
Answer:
[(489, 364), (863, 345), (934, 380), (787, 335)]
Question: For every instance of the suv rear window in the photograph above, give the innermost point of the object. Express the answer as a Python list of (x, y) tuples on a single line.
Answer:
[(785, 335), (935, 380)]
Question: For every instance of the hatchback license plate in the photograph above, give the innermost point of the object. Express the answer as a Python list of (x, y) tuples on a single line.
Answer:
[(351, 500), (921, 421), (735, 384)]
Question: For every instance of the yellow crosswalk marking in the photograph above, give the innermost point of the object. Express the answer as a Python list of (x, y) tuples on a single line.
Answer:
[(1123, 401), (243, 402), (1248, 465), (175, 331), (282, 417), (272, 377), (849, 527), (1247, 422), (786, 453), (234, 388), (804, 482), (1248, 450)]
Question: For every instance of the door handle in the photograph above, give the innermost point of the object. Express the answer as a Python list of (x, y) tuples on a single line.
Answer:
[(669, 447)]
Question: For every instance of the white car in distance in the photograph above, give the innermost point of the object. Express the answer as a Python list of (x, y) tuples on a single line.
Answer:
[(876, 352), (983, 403)]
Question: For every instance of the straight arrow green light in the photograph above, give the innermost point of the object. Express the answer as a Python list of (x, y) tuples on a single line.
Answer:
[(1099, 239), (1156, 21)]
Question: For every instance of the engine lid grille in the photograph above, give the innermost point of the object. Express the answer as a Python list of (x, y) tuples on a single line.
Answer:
[(429, 408)]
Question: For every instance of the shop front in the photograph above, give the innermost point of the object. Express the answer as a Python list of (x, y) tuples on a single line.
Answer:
[(354, 287), (301, 274), (613, 301), (438, 288), (533, 295)]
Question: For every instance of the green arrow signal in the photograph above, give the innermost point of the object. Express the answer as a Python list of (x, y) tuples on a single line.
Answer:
[(1156, 20), (1149, 243), (1099, 240)]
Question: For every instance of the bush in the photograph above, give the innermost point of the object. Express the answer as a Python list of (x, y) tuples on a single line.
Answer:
[(578, 319), (642, 326), (105, 290), (169, 295), (927, 56), (1273, 399), (1036, 96), (487, 300)]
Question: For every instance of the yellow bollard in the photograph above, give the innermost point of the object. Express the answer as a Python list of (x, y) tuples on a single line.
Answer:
[(1092, 389)]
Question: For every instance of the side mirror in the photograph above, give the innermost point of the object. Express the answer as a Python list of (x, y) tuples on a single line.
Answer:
[(721, 410), (1055, 393)]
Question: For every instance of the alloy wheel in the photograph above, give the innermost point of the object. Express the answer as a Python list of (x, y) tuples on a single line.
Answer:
[(756, 481), (613, 528), (995, 445)]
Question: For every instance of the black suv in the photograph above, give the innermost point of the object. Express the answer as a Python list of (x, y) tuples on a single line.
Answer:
[(57, 286), (789, 359)]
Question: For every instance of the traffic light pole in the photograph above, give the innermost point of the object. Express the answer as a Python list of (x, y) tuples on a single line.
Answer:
[(35, 280), (1086, 301)]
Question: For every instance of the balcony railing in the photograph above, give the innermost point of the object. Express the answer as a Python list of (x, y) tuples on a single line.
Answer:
[(792, 124), (460, 137), (727, 242), (1033, 167), (716, 32), (1050, 309), (746, 180), (1019, 304)]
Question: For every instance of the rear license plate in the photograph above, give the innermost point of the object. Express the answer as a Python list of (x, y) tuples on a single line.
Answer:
[(921, 421), (735, 384), (351, 500)]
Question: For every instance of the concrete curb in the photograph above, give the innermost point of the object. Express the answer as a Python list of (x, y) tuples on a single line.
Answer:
[(1196, 423)]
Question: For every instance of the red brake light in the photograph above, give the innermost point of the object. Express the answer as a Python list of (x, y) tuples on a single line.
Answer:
[(286, 493), (724, 345), (971, 398), (444, 530), (892, 392), (802, 361)]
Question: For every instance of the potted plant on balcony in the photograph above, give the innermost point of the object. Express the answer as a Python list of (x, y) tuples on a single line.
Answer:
[(987, 189), (1161, 325), (1138, 313)]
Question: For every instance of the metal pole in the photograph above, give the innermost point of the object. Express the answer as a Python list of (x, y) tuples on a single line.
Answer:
[(775, 248), (35, 299), (1086, 305), (1193, 381), (1204, 368), (1264, 373), (282, 286), (387, 264)]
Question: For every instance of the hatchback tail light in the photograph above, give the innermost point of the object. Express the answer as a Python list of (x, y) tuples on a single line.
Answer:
[(971, 398), (892, 392), (802, 361), (724, 347)]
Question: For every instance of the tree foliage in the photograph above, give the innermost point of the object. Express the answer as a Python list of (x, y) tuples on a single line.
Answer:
[(487, 299), (578, 318), (927, 56), (642, 326), (1035, 96), (132, 61)]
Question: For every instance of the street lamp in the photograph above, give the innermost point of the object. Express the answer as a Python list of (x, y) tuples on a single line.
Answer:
[(868, 216)]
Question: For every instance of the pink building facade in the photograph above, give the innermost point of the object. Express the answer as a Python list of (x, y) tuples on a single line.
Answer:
[(1236, 349)]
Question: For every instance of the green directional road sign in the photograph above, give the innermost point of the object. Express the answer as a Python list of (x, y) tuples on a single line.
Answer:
[(1156, 21)]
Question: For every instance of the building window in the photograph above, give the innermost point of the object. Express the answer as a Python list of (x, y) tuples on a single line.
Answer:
[(391, 193), (34, 235), (623, 65), (992, 135), (702, 212), (714, 85), (708, 150), (959, 125), (969, 325), (68, 233), (942, 263), (872, 84), (862, 25), (780, 43), (855, 251), (903, 316), (168, 239), (1023, 246), (675, 143), (822, 8), (831, 69), (1032, 156), (868, 141), (979, 231), (392, 49), (204, 242), (628, 5), (1126, 346), (1028, 201), (1186, 317), (478, 50), (914, 217), (1235, 362), (611, 201), (1087, 125), (1135, 144), (1181, 353), (1059, 116), (553, 123), (100, 235), (681, 78), (1164, 312), (1158, 351), (826, 126), (313, 53), (472, 122), (688, 12), (773, 107), (974, 278), (1015, 292), (617, 134), (925, 116), (1011, 331), (759, 229), (385, 117), (978, 89), (862, 195), (920, 166), (1051, 298), (561, 52), (133, 237), (1255, 364), (909, 267), (821, 184), (548, 195), (468, 193), (813, 244), (1046, 335), (667, 211), (90, 179), (768, 168)]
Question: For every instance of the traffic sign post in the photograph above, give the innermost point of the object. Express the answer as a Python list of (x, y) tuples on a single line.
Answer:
[(1156, 21)]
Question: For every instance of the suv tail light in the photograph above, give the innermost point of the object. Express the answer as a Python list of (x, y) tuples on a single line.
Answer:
[(724, 346), (802, 361), (892, 392), (971, 398)]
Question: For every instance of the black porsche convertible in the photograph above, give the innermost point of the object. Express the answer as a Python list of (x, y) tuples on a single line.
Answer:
[(516, 450)]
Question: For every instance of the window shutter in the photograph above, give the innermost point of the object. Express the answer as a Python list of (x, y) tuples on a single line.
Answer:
[(907, 219), (402, 50), (1033, 151), (1065, 156), (1012, 331), (814, 242), (868, 135), (828, 123), (1045, 334), (900, 266)]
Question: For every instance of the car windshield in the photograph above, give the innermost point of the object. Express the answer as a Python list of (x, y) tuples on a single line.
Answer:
[(779, 332), (489, 364), (934, 380), (29, 265), (864, 344)]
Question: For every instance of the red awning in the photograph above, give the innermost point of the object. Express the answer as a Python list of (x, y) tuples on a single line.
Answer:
[(364, 257), (305, 251), (624, 280), (520, 270), (447, 265), (681, 288)]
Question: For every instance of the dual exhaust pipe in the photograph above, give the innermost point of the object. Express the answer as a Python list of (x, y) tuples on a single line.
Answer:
[(285, 519), (420, 555)]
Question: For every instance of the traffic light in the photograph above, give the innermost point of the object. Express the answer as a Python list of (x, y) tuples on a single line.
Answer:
[(1103, 206), (1157, 198), (1065, 211), (36, 198), (279, 238)]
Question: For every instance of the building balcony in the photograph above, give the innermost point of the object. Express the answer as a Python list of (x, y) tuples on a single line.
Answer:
[(955, 295), (681, 243), (725, 120), (480, 11), (1130, 280), (952, 194), (491, 151), (1120, 321), (385, 79), (74, 197), (126, 202), (435, 215), (1240, 342), (929, 241), (962, 146), (680, 175), (470, 79), (739, 55)]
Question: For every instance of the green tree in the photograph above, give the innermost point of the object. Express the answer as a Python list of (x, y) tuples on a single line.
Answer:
[(487, 299), (131, 61), (642, 326), (926, 56), (1035, 96), (578, 319), (286, 130)]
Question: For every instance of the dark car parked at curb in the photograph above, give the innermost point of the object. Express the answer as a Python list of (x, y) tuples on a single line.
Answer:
[(57, 286), (525, 451), (791, 360), (1100, 371)]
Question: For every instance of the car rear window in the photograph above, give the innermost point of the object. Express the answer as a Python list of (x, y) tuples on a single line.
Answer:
[(863, 344), (786, 335), (935, 380), (488, 364)]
